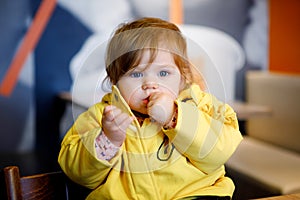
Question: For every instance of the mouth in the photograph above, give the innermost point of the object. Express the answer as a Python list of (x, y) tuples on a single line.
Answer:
[(146, 100)]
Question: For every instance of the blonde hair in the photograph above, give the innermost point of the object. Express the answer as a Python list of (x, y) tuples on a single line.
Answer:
[(130, 40)]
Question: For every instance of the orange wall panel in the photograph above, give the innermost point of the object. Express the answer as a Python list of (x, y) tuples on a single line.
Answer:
[(284, 32)]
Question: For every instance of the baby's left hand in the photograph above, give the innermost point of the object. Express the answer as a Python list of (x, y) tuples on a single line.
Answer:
[(161, 107)]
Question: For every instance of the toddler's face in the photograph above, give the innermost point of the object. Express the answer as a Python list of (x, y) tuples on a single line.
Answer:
[(161, 76)]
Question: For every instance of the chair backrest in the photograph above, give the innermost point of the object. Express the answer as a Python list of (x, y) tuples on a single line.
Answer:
[(45, 186), (217, 55), (38, 187), (280, 92)]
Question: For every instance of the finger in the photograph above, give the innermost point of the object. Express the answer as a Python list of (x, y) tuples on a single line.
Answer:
[(154, 96), (115, 124), (120, 118), (153, 99), (120, 123), (123, 125), (108, 109), (111, 113)]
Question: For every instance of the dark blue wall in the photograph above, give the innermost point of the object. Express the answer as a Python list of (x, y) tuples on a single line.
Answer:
[(61, 40), (13, 109)]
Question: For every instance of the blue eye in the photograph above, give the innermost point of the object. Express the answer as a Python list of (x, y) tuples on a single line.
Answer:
[(136, 75), (163, 73)]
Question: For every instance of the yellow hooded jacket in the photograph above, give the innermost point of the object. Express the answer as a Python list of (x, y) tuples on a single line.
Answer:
[(154, 163)]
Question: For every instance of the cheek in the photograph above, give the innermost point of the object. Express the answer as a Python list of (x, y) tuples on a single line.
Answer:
[(126, 88), (172, 90), (176, 85), (182, 84), (130, 93), (134, 100)]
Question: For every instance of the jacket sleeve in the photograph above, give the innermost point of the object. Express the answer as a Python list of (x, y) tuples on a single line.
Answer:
[(207, 131), (77, 156)]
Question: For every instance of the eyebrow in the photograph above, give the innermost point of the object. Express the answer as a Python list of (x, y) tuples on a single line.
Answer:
[(144, 66)]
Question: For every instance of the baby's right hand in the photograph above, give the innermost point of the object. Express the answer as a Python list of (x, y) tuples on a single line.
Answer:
[(115, 123)]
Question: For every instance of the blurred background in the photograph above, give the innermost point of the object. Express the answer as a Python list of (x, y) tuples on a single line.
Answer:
[(33, 116)]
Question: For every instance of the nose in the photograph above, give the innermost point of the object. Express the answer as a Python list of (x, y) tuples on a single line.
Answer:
[(150, 85)]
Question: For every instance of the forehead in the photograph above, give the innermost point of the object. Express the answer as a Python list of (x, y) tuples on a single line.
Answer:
[(160, 56)]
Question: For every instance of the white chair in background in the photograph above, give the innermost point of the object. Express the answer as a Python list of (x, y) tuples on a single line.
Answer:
[(218, 56)]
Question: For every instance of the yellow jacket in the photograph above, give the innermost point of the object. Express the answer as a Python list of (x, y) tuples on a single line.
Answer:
[(155, 163)]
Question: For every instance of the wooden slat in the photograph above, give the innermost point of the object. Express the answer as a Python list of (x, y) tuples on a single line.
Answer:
[(12, 180), (43, 186)]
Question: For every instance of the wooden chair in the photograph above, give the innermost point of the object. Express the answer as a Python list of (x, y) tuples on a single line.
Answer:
[(46, 186)]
